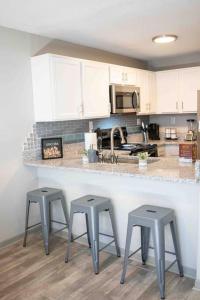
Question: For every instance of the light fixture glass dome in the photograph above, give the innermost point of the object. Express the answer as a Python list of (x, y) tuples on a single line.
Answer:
[(164, 39)]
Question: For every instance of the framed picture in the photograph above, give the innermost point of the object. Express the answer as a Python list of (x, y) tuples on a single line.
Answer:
[(52, 148)]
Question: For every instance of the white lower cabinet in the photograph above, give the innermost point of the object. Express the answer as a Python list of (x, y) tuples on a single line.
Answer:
[(66, 88), (95, 89)]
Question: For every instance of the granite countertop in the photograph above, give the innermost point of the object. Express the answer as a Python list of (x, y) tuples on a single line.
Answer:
[(163, 169), (170, 142)]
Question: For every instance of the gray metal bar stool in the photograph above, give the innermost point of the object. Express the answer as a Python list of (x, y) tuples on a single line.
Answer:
[(44, 197), (153, 218), (91, 206)]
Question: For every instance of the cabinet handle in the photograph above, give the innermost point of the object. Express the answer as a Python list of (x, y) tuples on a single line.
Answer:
[(80, 109), (123, 76), (176, 105), (126, 77), (182, 105), (149, 106)]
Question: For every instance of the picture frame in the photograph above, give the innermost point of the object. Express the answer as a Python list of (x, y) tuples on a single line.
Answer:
[(52, 148)]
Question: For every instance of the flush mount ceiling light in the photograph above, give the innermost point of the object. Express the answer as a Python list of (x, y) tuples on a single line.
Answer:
[(164, 39)]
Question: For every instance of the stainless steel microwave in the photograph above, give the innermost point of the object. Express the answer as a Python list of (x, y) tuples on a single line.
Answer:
[(124, 98)]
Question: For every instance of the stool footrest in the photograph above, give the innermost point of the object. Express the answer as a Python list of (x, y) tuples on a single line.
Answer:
[(107, 245), (58, 222), (134, 252), (170, 265), (105, 234), (59, 229), (37, 224), (166, 251), (76, 238)]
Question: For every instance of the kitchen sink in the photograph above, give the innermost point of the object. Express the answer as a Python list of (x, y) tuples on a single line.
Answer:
[(134, 160)]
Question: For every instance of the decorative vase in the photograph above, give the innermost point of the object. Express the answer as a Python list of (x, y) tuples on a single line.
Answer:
[(142, 163), (85, 159)]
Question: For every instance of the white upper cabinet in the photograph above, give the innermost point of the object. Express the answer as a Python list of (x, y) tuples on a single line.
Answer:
[(189, 84), (177, 90), (95, 85), (67, 88), (167, 88), (147, 83), (122, 75), (56, 88)]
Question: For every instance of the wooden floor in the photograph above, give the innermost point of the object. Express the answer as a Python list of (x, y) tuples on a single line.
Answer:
[(26, 273)]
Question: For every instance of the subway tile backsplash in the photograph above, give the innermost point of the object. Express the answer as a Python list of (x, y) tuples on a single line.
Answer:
[(73, 131)]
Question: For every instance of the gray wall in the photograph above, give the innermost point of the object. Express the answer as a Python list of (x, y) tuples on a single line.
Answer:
[(175, 62), (74, 50)]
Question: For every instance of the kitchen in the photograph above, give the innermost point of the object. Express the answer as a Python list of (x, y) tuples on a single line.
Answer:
[(64, 96)]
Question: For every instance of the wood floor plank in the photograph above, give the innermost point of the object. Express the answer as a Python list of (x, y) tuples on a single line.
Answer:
[(28, 274)]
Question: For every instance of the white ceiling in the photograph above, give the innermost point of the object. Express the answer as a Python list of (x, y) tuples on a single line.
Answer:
[(120, 26)]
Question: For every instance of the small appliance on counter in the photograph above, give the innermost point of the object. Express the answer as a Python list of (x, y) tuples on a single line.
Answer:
[(103, 137), (153, 130), (171, 134), (187, 152), (191, 135)]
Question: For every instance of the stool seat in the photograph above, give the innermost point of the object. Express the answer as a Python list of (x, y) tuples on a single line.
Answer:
[(152, 213), (90, 201), (44, 197), (153, 218), (91, 206), (45, 193)]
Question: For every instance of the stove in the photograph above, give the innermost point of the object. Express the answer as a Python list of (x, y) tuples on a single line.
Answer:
[(103, 138)]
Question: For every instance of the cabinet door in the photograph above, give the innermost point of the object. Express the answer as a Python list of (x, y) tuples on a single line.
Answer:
[(117, 74), (152, 92), (167, 91), (143, 84), (130, 76), (122, 75), (95, 88), (189, 84), (66, 80)]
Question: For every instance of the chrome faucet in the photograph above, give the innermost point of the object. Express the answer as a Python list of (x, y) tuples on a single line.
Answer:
[(112, 141)]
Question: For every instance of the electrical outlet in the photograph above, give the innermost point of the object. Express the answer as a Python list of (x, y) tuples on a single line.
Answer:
[(138, 122)]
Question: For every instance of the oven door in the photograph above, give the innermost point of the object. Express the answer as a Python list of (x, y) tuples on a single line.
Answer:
[(125, 99)]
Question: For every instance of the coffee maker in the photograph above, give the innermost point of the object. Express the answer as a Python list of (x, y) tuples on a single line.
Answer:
[(153, 130)]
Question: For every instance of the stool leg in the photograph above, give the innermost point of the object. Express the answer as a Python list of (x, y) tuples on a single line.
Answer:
[(64, 208), (26, 221), (68, 252), (50, 211), (112, 218), (44, 211), (88, 234), (159, 244), (127, 249), (176, 246), (145, 236), (93, 222)]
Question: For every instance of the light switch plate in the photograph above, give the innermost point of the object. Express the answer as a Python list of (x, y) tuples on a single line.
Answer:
[(172, 120)]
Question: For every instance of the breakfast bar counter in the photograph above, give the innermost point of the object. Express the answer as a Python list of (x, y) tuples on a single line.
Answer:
[(165, 182), (164, 169)]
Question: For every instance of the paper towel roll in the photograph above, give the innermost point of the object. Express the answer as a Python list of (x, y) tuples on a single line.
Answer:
[(90, 140)]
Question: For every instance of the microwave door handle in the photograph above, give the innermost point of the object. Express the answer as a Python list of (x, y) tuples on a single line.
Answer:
[(137, 100)]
